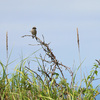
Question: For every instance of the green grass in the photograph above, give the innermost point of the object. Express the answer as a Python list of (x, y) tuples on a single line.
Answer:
[(25, 84), (43, 84)]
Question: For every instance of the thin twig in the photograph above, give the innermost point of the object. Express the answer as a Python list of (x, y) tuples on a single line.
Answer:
[(35, 73), (26, 35), (55, 63)]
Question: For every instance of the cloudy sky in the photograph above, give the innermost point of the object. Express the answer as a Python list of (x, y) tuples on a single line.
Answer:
[(57, 20)]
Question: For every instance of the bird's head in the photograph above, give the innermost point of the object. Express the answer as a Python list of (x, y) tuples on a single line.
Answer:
[(34, 28)]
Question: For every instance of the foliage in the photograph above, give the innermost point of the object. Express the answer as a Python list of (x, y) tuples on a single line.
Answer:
[(46, 83)]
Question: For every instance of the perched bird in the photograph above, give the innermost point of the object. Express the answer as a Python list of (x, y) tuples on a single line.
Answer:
[(34, 32)]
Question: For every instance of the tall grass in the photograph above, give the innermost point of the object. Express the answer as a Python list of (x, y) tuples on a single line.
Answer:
[(26, 84)]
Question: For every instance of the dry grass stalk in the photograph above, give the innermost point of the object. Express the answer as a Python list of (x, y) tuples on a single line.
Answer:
[(79, 52), (7, 50), (7, 45), (78, 40)]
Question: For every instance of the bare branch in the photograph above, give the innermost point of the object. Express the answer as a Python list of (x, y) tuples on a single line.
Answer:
[(55, 64)]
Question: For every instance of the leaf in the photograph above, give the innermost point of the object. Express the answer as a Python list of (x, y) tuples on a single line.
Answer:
[(96, 72)]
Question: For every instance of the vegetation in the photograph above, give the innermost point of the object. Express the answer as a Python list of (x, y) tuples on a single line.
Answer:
[(49, 82)]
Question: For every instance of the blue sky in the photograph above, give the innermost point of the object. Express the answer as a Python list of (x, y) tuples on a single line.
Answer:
[(57, 20)]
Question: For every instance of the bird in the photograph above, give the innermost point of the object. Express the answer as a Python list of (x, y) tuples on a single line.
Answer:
[(34, 32)]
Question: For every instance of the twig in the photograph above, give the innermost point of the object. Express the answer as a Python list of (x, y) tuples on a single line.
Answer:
[(26, 35), (34, 73), (55, 63)]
